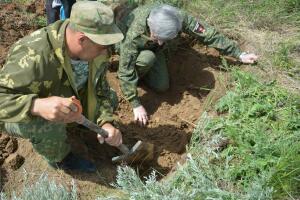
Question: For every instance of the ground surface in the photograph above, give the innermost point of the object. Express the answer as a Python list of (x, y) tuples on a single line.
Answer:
[(195, 81)]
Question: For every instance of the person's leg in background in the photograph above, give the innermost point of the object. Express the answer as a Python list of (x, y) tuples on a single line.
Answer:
[(152, 68), (52, 13), (67, 4)]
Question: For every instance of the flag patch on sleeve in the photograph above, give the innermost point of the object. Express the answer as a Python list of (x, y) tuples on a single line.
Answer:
[(198, 28)]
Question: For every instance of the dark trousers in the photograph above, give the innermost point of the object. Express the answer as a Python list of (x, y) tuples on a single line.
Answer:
[(68, 6), (53, 13)]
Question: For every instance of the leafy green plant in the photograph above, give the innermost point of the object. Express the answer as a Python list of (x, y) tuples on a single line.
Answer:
[(40, 21)]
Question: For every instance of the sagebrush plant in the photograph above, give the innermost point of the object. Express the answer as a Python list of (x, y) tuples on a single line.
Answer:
[(44, 188), (251, 152)]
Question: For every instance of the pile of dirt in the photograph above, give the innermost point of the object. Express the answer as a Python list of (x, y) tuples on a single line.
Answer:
[(17, 21), (8, 157), (173, 115)]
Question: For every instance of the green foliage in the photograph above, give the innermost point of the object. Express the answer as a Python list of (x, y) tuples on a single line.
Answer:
[(44, 189), (252, 152), (40, 21), (261, 14), (283, 57), (264, 122)]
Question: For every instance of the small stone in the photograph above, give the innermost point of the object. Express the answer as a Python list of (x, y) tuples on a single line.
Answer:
[(13, 32), (157, 119), (14, 161), (11, 146)]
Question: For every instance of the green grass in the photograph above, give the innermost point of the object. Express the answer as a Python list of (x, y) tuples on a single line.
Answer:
[(40, 21)]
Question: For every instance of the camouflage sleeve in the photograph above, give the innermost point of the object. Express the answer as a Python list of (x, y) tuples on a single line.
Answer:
[(127, 73), (105, 111), (209, 36), (18, 85)]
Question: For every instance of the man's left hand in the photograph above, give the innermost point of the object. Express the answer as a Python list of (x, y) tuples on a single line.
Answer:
[(248, 58), (114, 135)]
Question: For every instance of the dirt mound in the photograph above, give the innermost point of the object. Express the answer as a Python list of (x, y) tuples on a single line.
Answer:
[(17, 21), (8, 146)]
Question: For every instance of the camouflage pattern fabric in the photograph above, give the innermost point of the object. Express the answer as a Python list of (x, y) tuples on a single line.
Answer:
[(153, 69), (48, 138), (96, 21), (137, 39), (38, 67), (81, 72)]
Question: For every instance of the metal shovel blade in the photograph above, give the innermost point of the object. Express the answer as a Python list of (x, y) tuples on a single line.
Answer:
[(139, 151)]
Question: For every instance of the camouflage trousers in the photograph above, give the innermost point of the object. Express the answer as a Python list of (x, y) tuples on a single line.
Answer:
[(49, 139), (152, 68)]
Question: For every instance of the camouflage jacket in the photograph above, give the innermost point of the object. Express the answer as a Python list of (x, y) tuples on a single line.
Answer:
[(136, 33), (38, 66)]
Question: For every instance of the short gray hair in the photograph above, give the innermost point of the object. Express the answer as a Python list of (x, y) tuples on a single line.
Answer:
[(165, 22)]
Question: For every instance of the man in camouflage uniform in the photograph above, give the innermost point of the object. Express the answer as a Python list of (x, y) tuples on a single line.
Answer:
[(46, 68), (146, 29)]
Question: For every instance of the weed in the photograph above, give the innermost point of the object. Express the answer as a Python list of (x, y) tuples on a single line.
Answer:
[(282, 56), (40, 21)]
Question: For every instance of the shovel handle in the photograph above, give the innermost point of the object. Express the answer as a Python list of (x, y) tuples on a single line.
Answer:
[(94, 127)]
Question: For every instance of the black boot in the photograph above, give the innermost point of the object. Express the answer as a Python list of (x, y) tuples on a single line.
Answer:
[(73, 162)]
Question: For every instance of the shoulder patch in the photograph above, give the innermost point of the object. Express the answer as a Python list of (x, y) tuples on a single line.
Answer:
[(199, 28)]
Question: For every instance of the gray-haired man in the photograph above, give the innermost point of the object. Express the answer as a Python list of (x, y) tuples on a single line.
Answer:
[(146, 28)]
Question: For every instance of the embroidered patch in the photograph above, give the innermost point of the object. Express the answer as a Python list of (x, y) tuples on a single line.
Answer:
[(198, 28)]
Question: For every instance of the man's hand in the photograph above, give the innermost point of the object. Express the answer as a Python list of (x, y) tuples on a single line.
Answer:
[(56, 109), (114, 135), (248, 58), (140, 115)]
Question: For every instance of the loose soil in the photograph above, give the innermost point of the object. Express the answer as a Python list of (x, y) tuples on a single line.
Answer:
[(194, 83)]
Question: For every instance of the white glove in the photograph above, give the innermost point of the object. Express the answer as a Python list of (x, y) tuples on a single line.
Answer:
[(248, 58), (140, 115), (56, 3)]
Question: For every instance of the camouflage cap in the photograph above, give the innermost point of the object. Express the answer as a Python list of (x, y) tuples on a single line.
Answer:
[(96, 21)]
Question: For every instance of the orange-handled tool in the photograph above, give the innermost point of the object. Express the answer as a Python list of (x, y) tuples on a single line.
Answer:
[(94, 127)]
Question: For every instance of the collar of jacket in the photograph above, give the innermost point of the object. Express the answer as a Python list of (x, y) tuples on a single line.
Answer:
[(56, 34)]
